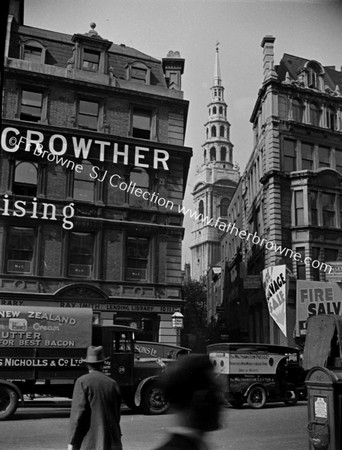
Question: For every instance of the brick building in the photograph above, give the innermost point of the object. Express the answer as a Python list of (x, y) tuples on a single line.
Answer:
[(93, 168), (290, 192)]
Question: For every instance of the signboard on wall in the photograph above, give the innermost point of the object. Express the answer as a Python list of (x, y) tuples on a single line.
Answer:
[(335, 275), (45, 327), (274, 282), (316, 297)]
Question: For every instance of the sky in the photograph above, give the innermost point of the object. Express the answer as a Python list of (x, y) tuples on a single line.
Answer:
[(310, 29)]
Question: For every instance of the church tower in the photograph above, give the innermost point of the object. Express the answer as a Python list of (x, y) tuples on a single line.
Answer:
[(215, 181)]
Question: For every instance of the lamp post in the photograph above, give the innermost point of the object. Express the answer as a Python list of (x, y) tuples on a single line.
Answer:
[(177, 323)]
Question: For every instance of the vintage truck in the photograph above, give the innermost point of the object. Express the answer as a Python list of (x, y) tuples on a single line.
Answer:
[(41, 351), (258, 373)]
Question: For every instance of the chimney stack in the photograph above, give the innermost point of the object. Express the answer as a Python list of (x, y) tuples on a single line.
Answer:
[(268, 60)]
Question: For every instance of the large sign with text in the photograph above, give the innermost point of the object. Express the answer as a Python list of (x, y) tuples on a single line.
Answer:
[(316, 297), (274, 282), (63, 149), (45, 327)]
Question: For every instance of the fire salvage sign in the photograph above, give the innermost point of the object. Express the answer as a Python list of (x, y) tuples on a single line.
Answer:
[(45, 327), (274, 282), (316, 297)]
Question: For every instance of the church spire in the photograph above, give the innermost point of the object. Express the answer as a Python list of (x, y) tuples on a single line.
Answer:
[(217, 146), (217, 73), (216, 179)]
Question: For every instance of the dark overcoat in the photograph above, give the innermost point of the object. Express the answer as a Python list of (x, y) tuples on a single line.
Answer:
[(95, 413)]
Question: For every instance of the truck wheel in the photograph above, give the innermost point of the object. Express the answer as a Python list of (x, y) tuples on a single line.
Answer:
[(291, 398), (154, 400), (8, 402), (256, 397)]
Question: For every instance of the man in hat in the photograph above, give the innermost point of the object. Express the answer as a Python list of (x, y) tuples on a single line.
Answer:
[(95, 408), (194, 393)]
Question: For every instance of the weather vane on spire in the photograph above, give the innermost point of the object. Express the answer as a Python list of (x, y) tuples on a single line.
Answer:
[(217, 45)]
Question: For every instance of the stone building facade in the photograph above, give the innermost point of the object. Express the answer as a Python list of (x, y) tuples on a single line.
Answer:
[(290, 190), (93, 168)]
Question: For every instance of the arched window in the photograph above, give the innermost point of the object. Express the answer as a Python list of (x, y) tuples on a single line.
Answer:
[(297, 110), (220, 110), (223, 153), (312, 78), (214, 110), (222, 131), (315, 114), (213, 131), (224, 207), (207, 133), (25, 179), (314, 70), (84, 185), (201, 207), (213, 154), (205, 155), (140, 178)]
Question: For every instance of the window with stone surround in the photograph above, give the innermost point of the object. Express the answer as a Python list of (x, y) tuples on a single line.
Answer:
[(224, 207), (323, 209), (33, 51), (83, 184), (338, 160), (313, 205), (315, 114), (81, 255), (301, 268), (324, 156), (20, 250), (307, 156), (25, 178), (31, 105), (137, 258), (299, 207), (142, 123), (297, 110), (330, 118), (141, 180), (90, 60), (328, 210), (140, 73), (289, 156), (88, 115)]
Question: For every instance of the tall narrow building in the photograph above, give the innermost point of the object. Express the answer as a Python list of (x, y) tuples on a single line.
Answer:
[(215, 180)]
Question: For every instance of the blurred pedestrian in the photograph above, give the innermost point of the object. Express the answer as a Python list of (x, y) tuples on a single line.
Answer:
[(194, 393), (95, 408)]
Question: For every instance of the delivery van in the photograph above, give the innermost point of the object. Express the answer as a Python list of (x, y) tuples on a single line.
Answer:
[(258, 373)]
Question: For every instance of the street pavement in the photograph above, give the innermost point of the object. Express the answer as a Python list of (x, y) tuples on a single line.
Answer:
[(42, 425)]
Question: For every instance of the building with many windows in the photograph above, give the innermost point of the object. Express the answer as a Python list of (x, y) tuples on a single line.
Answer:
[(215, 181), (290, 193), (93, 168)]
